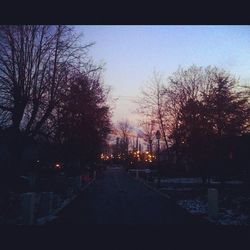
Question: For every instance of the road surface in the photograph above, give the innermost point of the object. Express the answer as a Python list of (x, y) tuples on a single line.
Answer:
[(116, 198)]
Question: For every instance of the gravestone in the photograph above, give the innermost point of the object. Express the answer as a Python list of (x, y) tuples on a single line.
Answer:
[(212, 203), (28, 208), (33, 180), (147, 173), (46, 203), (78, 183), (56, 201), (137, 174)]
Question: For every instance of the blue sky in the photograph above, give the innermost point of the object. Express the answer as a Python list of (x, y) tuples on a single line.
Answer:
[(132, 53)]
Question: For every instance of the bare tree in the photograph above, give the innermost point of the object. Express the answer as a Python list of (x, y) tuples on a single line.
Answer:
[(205, 105), (124, 130), (36, 63), (148, 129), (184, 85), (151, 104)]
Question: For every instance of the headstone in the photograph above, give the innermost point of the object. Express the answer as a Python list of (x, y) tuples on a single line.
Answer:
[(86, 178), (78, 183), (212, 203), (70, 181), (147, 171), (137, 174), (28, 207), (69, 192), (56, 201), (47, 203), (33, 179)]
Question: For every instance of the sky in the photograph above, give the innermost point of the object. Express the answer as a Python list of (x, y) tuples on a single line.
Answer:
[(132, 53)]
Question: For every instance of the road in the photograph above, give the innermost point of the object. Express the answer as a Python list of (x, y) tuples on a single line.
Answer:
[(116, 198)]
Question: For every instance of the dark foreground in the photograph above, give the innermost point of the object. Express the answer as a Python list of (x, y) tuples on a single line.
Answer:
[(116, 198)]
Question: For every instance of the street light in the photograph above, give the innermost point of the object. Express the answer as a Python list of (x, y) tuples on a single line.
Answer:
[(150, 146), (158, 136)]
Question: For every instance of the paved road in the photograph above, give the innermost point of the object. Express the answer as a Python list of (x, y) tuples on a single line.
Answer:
[(116, 198)]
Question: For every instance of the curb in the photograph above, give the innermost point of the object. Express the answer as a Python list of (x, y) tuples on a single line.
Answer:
[(156, 190), (150, 187), (52, 216), (202, 220)]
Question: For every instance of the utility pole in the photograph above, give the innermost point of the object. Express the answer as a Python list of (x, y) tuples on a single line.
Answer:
[(158, 137)]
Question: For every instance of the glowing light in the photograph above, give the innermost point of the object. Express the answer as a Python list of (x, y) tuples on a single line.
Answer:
[(58, 165)]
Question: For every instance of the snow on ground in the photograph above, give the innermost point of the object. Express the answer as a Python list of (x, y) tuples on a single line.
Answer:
[(227, 182), (176, 189), (225, 217), (194, 206), (234, 182), (229, 217), (196, 180), (232, 206), (182, 180)]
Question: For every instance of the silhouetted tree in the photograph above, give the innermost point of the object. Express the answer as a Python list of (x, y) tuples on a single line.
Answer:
[(226, 108), (185, 85), (151, 105), (124, 130), (37, 64), (83, 119), (148, 129), (209, 107)]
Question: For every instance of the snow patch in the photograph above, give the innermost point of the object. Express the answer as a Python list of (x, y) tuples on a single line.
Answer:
[(176, 189), (227, 182), (194, 206), (182, 180), (225, 216), (196, 180)]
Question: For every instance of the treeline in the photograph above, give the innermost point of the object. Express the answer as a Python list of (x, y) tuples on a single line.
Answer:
[(53, 103), (200, 113)]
